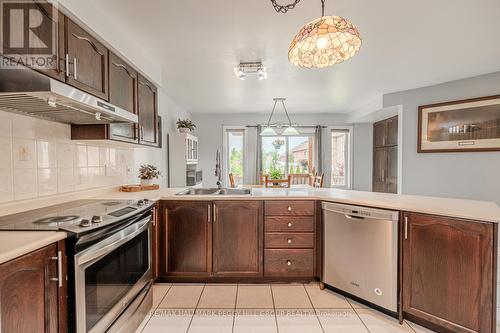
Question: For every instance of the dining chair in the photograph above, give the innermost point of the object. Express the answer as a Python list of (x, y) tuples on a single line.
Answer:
[(318, 181), (300, 179), (231, 181), (277, 183)]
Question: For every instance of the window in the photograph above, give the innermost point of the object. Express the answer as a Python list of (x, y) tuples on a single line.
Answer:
[(234, 154), (341, 158), (284, 155)]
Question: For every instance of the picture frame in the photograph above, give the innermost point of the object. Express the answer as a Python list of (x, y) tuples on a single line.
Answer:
[(469, 125)]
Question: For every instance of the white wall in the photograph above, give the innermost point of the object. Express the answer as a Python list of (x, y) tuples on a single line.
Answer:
[(209, 131), (456, 175)]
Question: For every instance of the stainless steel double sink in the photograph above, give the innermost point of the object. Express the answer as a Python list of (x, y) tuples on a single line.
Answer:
[(215, 191)]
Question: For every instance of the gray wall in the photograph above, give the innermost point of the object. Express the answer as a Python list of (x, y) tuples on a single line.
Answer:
[(209, 132), (456, 175)]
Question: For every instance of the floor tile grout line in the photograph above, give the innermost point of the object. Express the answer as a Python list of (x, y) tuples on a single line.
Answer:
[(195, 308), (155, 308), (234, 310), (314, 309), (274, 309), (364, 324)]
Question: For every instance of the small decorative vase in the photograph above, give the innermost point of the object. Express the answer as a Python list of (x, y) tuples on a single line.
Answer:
[(184, 130), (146, 182)]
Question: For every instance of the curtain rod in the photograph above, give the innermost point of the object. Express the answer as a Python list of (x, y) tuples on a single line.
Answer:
[(298, 126)]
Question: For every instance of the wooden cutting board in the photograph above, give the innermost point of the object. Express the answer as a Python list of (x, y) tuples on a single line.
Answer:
[(139, 188)]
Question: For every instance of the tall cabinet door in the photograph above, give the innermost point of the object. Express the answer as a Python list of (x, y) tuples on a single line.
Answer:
[(238, 238), (148, 111), (123, 93), (87, 60), (379, 169), (186, 248), (448, 273), (26, 289)]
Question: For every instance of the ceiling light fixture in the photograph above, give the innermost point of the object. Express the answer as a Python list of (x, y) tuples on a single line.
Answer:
[(289, 130), (245, 69), (326, 41)]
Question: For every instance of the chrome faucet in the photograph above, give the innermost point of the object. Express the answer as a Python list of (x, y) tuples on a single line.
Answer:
[(218, 169)]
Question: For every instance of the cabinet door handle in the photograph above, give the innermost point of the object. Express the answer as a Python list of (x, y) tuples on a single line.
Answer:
[(124, 68), (406, 227), (209, 213), (215, 213), (74, 68), (58, 279), (88, 41), (67, 65)]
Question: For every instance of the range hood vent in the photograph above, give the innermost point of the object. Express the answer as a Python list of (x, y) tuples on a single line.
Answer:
[(25, 91)]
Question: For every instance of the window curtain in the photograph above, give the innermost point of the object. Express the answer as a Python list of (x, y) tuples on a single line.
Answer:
[(251, 155), (258, 159), (318, 154)]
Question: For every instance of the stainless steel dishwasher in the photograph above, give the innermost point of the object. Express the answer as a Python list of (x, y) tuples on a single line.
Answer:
[(361, 252)]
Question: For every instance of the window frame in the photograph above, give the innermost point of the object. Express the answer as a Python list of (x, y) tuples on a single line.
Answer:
[(349, 155), (225, 151)]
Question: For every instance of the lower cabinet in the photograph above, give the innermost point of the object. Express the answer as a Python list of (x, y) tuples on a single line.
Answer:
[(186, 240), (237, 238), (449, 273), (31, 299)]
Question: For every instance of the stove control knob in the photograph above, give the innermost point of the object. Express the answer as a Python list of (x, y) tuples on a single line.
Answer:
[(85, 223), (96, 219), (146, 201), (140, 203)]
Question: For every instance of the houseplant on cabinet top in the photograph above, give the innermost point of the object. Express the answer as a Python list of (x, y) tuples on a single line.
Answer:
[(185, 125), (147, 173)]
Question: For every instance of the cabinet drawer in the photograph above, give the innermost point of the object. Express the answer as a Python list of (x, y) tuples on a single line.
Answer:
[(304, 208), (289, 224), (288, 262), (289, 240)]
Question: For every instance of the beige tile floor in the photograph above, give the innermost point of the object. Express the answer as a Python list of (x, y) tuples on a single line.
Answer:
[(262, 308)]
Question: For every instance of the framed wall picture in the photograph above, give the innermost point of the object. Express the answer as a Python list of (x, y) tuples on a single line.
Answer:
[(466, 125)]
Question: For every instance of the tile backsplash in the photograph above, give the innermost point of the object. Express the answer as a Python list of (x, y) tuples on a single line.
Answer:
[(38, 158)]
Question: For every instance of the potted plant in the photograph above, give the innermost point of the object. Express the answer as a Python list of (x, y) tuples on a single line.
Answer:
[(185, 125), (147, 173)]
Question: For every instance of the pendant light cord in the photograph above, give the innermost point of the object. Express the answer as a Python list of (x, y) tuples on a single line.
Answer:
[(286, 112), (282, 100), (271, 116), (322, 8)]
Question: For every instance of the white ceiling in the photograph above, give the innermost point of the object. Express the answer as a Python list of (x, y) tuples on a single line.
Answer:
[(406, 44)]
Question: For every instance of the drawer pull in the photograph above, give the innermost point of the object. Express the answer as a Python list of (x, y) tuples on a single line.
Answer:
[(289, 208), (289, 241), (288, 263), (289, 224)]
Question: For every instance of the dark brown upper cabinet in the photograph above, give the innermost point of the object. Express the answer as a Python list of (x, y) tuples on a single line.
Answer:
[(238, 238), (449, 269), (148, 112), (43, 46), (186, 240), (123, 82), (87, 61)]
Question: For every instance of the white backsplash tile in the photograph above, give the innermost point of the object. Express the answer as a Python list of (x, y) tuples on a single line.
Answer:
[(81, 156), (65, 155), (38, 158), (5, 152), (6, 186), (25, 184), (47, 181), (92, 156), (46, 154), (66, 180), (24, 153)]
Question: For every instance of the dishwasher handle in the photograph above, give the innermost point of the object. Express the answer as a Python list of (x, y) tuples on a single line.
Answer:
[(354, 217)]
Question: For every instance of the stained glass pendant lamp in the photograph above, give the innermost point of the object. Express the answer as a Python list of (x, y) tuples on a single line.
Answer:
[(326, 41)]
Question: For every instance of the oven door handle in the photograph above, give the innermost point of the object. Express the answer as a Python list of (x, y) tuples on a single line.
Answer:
[(109, 244)]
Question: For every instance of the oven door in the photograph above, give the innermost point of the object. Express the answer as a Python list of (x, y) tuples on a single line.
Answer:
[(110, 273)]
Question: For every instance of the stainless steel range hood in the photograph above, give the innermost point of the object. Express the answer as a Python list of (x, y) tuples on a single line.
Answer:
[(25, 91)]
